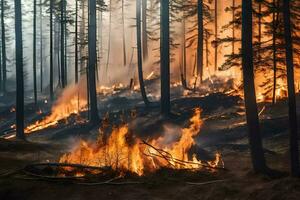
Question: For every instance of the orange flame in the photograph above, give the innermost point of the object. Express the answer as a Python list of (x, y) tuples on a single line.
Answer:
[(121, 151), (70, 102)]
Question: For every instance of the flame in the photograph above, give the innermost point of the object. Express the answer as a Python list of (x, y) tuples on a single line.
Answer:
[(106, 90), (150, 76), (70, 102), (122, 151)]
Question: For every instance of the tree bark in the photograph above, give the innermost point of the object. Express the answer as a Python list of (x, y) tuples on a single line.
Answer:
[(4, 59), (109, 36), (257, 153), (76, 41), (1, 81), (216, 35), (274, 48), (165, 57), (34, 53), (139, 52), (62, 44), (233, 27), (92, 34), (124, 38), (19, 71), (51, 51), (200, 41), (41, 46), (294, 151), (145, 34)]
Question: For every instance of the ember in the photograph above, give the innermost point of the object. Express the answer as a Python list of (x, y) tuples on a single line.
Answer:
[(121, 151)]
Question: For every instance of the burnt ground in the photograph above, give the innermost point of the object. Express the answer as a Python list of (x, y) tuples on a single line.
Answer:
[(224, 131)]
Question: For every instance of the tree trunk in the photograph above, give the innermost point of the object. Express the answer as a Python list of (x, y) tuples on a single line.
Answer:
[(34, 53), (165, 57), (139, 51), (294, 151), (19, 71), (76, 41), (274, 48), (124, 38), (109, 37), (183, 60), (41, 46), (259, 26), (233, 27), (4, 59), (1, 81), (82, 38), (257, 153), (66, 43), (200, 41), (51, 51), (145, 34), (62, 44), (92, 34), (216, 35)]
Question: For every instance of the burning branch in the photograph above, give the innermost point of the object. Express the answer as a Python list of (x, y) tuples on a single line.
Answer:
[(185, 164)]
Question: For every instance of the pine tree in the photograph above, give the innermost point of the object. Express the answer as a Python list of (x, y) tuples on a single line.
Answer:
[(294, 148), (19, 71), (34, 52), (51, 51), (165, 57), (92, 37), (139, 50), (3, 40), (256, 149)]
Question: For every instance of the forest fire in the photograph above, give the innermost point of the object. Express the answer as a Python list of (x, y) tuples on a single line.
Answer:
[(122, 151), (106, 90), (70, 102)]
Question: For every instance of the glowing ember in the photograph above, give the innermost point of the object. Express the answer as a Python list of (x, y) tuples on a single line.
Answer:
[(70, 102), (150, 76), (121, 151), (105, 90)]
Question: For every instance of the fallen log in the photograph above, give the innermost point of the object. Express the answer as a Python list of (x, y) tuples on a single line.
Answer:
[(206, 183)]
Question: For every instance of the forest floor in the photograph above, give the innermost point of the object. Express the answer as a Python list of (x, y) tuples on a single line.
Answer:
[(224, 130)]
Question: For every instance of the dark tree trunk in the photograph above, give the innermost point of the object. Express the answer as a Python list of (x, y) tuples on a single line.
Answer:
[(294, 151), (92, 34), (183, 60), (41, 46), (66, 44), (109, 37), (62, 44), (76, 41), (257, 153), (34, 53), (139, 51), (1, 81), (259, 25), (82, 38), (124, 39), (216, 35), (3, 32), (100, 43), (19, 71), (274, 48), (145, 35), (51, 51), (200, 41), (165, 57), (233, 27), (57, 43)]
